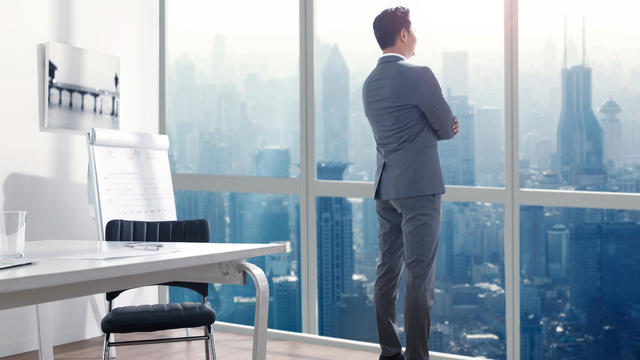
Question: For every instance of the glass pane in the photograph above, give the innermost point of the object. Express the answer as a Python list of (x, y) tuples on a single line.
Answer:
[(579, 297), (579, 90), (468, 315), (233, 92), (469, 69), (250, 218)]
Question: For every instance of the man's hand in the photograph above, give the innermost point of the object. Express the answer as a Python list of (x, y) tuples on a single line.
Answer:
[(455, 126)]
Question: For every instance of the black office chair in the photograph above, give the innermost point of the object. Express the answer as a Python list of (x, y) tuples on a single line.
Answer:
[(147, 318)]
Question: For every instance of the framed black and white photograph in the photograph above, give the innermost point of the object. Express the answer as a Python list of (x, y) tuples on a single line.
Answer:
[(81, 89)]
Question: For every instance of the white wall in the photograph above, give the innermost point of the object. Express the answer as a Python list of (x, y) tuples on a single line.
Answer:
[(45, 173)]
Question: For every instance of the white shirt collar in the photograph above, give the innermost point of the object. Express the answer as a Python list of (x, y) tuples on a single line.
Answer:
[(394, 54)]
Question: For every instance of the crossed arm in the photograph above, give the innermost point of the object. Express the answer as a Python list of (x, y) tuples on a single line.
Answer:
[(433, 104)]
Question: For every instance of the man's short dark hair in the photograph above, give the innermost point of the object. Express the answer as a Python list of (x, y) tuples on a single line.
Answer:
[(388, 25)]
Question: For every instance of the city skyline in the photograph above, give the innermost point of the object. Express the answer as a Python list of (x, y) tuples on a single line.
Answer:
[(527, 118), (345, 276), (231, 136)]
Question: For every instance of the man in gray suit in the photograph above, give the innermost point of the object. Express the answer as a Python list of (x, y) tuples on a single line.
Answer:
[(408, 116)]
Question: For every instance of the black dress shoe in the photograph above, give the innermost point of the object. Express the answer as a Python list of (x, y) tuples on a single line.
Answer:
[(398, 356)]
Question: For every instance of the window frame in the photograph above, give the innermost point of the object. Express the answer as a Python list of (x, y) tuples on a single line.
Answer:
[(308, 188)]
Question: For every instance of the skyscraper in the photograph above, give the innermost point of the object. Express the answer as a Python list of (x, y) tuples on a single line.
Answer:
[(544, 150), (605, 264), (242, 143), (533, 244), (464, 112), (530, 299), (528, 147), (531, 347), (370, 249), (244, 214), (458, 155), (286, 309), (612, 132), (200, 205), (214, 155), (260, 218), (182, 109), (604, 268), (203, 205), (334, 124), (448, 243), (274, 221), (489, 129), (557, 251), (437, 339), (579, 133), (273, 161), (585, 265), (335, 251), (455, 66)]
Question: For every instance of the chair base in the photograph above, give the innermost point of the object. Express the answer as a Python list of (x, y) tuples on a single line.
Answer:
[(156, 341), (208, 338)]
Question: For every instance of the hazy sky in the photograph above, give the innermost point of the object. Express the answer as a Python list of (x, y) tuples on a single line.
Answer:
[(260, 35), (264, 33)]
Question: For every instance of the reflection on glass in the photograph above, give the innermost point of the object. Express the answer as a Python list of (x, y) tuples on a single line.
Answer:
[(250, 218), (579, 85), (469, 70), (233, 92), (578, 292), (468, 316)]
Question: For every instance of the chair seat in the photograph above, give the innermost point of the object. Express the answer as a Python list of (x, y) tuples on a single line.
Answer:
[(143, 318)]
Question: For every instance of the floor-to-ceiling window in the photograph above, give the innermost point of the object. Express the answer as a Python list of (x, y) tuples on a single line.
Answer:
[(579, 298), (232, 109), (469, 312), (540, 230), (579, 119)]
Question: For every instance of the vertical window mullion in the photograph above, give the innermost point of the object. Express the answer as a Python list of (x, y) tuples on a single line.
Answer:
[(511, 224), (308, 170)]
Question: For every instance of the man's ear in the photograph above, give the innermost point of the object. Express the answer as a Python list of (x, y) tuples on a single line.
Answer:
[(404, 35)]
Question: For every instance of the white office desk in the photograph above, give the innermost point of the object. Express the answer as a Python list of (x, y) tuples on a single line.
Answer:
[(51, 278)]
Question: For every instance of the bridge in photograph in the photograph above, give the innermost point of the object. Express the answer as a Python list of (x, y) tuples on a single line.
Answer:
[(83, 91)]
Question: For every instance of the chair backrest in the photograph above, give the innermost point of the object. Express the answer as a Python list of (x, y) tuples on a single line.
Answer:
[(160, 231)]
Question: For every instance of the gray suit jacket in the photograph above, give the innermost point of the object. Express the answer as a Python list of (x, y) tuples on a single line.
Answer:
[(408, 116)]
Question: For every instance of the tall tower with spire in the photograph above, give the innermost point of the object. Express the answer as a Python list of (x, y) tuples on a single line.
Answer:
[(334, 126), (579, 133), (335, 252)]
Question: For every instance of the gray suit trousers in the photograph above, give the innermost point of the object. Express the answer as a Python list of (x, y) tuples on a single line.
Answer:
[(408, 232)]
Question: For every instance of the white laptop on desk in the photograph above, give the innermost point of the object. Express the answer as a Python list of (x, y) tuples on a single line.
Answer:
[(7, 263)]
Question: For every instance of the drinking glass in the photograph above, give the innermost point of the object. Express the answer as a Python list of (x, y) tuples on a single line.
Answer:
[(12, 235)]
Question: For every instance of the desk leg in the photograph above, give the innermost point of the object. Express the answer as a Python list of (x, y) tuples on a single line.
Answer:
[(43, 312), (262, 310)]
